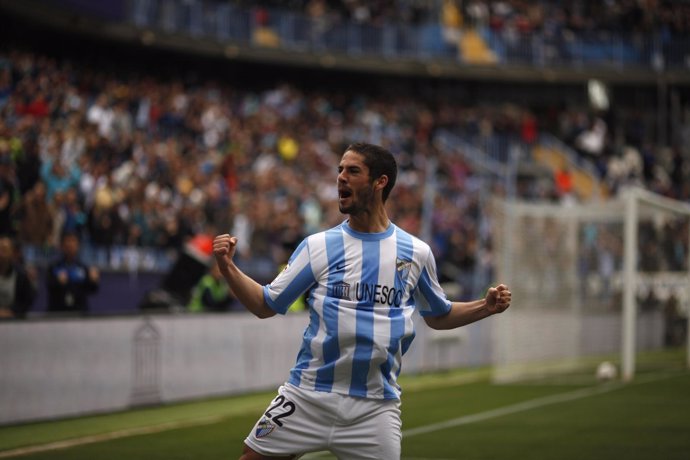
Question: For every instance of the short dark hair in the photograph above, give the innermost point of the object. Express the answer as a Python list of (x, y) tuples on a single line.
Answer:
[(380, 162)]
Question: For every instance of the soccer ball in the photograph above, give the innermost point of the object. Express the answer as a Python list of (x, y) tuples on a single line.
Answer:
[(606, 371)]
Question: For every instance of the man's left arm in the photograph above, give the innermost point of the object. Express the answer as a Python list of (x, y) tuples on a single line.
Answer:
[(497, 300)]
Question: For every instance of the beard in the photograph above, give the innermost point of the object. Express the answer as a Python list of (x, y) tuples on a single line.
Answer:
[(359, 202)]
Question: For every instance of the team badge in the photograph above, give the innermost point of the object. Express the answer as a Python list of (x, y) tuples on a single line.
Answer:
[(403, 267), (264, 428)]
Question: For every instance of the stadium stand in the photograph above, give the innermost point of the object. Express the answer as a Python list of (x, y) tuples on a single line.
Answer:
[(140, 148)]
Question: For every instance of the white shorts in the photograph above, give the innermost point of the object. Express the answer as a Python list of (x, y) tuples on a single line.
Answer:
[(299, 421)]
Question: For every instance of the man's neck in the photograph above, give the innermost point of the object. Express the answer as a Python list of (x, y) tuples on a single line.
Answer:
[(376, 222)]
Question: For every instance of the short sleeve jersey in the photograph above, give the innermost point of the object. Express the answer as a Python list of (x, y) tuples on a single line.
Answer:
[(362, 289)]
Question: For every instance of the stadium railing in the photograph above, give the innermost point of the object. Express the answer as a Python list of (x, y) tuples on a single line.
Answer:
[(250, 28), (574, 158), (296, 31)]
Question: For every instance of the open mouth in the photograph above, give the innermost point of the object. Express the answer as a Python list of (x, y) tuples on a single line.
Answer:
[(342, 194)]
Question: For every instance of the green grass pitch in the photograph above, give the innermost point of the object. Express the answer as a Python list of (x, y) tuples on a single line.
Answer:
[(452, 415)]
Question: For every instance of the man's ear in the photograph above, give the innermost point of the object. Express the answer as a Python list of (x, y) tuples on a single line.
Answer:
[(381, 182)]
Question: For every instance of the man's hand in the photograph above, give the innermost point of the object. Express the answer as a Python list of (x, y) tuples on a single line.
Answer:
[(224, 249), (498, 299), (247, 291)]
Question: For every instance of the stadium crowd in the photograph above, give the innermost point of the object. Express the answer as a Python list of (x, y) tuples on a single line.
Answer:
[(569, 16), (145, 162), (127, 159)]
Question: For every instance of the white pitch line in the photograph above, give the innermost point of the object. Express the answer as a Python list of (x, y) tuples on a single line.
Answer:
[(525, 406), (112, 435), (501, 411), (506, 410), (467, 419)]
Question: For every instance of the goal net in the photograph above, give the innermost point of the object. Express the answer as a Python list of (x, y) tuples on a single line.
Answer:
[(589, 282)]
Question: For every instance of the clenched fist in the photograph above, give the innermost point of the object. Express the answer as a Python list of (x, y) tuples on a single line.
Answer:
[(498, 299), (224, 249)]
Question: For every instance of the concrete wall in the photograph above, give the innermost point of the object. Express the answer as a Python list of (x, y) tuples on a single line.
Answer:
[(65, 367)]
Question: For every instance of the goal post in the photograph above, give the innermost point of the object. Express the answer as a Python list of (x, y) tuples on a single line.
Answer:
[(589, 280), (635, 198)]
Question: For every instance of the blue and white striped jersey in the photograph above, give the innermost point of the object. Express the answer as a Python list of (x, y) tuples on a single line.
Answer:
[(362, 290)]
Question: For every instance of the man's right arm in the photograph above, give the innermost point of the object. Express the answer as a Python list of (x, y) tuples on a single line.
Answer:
[(248, 292)]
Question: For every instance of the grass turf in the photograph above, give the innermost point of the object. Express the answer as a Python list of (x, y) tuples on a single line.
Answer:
[(646, 419)]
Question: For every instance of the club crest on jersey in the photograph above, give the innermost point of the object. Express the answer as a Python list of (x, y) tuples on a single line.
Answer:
[(403, 267), (264, 428), (341, 291)]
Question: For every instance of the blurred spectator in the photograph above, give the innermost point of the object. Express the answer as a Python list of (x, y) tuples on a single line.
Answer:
[(591, 141), (5, 82), (451, 22), (69, 280), (624, 168), (130, 159), (8, 196), (675, 324), (563, 178), (17, 291), (36, 218), (59, 219), (529, 131), (211, 293), (102, 115), (57, 177)]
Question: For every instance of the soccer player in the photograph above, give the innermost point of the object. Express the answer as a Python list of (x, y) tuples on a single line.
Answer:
[(363, 279)]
